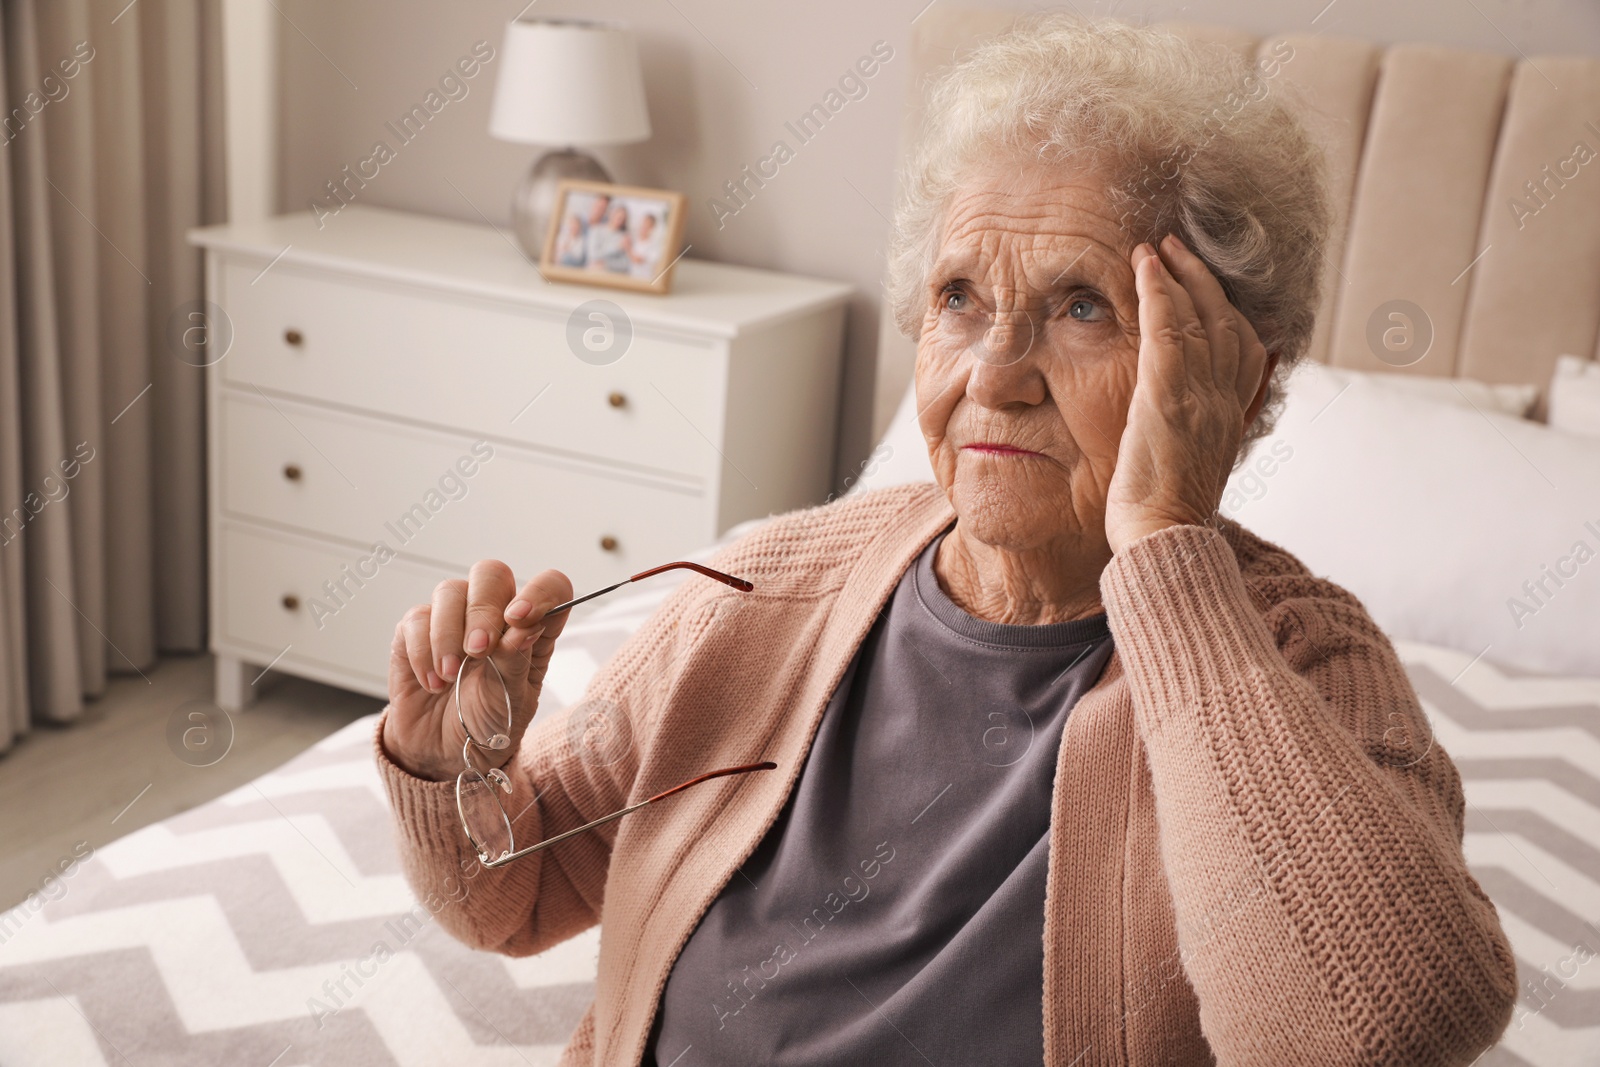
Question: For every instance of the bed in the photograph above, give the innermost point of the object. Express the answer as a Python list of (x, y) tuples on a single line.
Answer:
[(272, 926)]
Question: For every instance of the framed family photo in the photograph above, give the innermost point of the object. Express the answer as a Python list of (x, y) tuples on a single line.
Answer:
[(616, 235)]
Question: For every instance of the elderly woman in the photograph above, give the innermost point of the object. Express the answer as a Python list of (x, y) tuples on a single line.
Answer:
[(1069, 769)]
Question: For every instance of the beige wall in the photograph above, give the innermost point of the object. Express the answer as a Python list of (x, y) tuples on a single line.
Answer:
[(724, 76)]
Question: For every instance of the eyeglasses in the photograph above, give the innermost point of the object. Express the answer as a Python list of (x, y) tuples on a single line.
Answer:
[(484, 818)]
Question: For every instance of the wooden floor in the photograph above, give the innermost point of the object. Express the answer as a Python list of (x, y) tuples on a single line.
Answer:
[(115, 770)]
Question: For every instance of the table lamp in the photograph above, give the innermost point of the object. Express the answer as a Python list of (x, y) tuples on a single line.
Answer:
[(564, 83)]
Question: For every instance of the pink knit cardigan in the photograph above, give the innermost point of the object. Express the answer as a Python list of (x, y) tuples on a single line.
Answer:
[(1255, 845)]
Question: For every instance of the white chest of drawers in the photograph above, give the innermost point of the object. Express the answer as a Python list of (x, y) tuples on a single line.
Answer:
[(401, 396)]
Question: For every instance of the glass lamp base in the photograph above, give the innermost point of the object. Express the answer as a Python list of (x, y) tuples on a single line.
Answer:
[(535, 199)]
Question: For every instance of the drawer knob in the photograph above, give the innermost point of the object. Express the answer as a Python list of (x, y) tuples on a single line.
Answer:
[(293, 338), (291, 602), (617, 400), (292, 471), (608, 543)]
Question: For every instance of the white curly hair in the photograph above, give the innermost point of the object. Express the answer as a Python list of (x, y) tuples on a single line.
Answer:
[(1202, 142)]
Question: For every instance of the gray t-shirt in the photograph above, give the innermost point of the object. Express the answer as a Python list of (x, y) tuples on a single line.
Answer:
[(894, 913)]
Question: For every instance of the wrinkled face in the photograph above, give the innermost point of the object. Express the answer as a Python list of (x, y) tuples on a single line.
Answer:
[(1026, 360)]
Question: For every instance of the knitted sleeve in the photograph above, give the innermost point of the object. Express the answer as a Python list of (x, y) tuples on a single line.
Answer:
[(1310, 828), (559, 780)]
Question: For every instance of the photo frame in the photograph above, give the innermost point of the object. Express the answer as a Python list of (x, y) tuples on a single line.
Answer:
[(622, 236)]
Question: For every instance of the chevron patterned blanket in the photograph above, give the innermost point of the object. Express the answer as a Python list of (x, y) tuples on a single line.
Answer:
[(272, 926)]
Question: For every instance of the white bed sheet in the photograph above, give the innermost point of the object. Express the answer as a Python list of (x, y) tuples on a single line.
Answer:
[(272, 922)]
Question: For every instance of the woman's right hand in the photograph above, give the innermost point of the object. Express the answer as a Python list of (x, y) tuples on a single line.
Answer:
[(433, 641)]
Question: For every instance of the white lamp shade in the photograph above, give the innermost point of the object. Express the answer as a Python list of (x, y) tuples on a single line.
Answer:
[(569, 83)]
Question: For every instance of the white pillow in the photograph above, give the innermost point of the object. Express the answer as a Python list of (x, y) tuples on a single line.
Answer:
[(1575, 396), (1472, 529), (902, 454), (1467, 392)]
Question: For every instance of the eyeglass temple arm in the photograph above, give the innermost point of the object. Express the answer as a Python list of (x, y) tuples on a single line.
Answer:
[(501, 861), (726, 579)]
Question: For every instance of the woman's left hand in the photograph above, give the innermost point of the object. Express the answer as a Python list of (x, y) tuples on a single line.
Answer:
[(1200, 377)]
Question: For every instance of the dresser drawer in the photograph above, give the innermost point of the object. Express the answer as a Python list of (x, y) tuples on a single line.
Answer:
[(444, 497), (471, 364), (271, 598)]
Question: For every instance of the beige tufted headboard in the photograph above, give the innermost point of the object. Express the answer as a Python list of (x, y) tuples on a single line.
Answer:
[(1467, 184)]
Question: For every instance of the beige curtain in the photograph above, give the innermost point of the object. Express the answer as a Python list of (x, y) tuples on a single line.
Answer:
[(110, 149)]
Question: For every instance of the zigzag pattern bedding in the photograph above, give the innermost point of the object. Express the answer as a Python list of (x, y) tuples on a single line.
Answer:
[(272, 926)]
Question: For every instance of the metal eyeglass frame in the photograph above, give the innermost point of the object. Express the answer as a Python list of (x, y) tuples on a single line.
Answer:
[(496, 779)]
